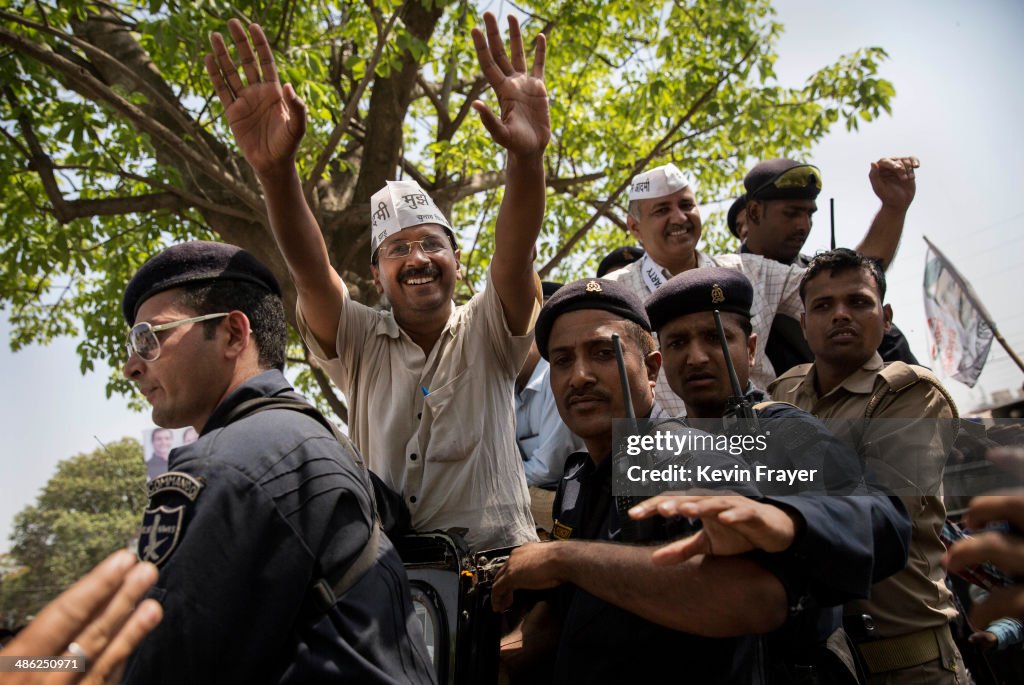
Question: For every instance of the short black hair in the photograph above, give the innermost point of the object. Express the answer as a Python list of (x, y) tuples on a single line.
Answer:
[(840, 260), (264, 309)]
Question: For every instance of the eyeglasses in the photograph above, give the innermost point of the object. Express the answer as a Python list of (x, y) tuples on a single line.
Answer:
[(401, 249), (142, 338), (796, 177)]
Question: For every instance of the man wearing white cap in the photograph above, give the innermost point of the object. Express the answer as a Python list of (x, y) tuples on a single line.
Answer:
[(429, 385), (665, 218)]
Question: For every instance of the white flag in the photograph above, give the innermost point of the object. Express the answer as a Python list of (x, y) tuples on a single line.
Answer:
[(958, 322)]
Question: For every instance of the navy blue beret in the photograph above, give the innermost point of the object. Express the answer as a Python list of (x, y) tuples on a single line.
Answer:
[(588, 293), (734, 212), (618, 258), (194, 262), (783, 179), (703, 289)]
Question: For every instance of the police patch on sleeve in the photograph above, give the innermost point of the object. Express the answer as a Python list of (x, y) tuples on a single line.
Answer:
[(161, 530), (163, 525)]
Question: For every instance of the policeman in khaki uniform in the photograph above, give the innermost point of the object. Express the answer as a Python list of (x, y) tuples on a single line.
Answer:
[(903, 423), (844, 544)]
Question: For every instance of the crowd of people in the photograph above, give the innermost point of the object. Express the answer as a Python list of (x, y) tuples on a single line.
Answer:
[(265, 553)]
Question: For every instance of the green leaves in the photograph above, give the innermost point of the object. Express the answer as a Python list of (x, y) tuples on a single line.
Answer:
[(692, 82)]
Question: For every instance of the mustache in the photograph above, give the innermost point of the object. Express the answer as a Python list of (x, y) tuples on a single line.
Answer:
[(426, 271)]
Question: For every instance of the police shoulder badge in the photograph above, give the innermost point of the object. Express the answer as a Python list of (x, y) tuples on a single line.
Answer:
[(162, 525)]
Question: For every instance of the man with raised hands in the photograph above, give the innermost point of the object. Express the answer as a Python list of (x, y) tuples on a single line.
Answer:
[(429, 385)]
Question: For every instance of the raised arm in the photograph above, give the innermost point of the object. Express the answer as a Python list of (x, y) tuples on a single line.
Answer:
[(268, 122), (892, 179), (523, 129), (709, 596)]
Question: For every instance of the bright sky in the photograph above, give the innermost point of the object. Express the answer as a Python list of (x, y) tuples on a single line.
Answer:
[(958, 108)]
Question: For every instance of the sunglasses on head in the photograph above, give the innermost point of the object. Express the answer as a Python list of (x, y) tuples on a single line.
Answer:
[(142, 338)]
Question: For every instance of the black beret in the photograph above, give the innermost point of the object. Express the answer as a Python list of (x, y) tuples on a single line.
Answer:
[(549, 288), (760, 182), (618, 258), (734, 212), (703, 289), (194, 262), (589, 293)]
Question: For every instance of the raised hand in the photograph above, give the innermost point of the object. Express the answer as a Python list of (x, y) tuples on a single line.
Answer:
[(732, 525), (892, 179), (268, 121), (524, 126)]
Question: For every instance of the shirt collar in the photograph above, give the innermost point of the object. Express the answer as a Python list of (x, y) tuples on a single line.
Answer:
[(266, 384), (862, 381), (538, 378)]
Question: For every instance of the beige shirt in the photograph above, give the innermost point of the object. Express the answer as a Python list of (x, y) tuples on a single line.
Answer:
[(776, 289), (439, 427), (914, 450)]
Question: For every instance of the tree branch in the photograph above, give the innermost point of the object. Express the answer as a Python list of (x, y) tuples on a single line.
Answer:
[(89, 87), (350, 109)]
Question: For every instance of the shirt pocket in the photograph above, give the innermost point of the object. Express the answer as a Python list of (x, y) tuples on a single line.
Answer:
[(456, 413)]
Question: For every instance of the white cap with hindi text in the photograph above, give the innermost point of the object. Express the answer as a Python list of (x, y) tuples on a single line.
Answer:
[(398, 205), (659, 182)]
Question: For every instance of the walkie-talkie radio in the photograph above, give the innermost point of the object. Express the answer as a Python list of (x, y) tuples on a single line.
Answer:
[(739, 416), (630, 530)]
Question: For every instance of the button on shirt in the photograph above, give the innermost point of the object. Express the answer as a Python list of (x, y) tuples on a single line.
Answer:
[(544, 439), (438, 427), (776, 290)]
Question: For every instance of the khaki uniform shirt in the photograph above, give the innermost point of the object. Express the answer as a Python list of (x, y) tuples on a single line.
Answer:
[(776, 289), (439, 427), (914, 450)]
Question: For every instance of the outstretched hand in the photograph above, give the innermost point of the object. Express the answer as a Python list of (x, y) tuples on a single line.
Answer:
[(524, 126), (892, 179), (268, 121), (99, 619), (731, 524)]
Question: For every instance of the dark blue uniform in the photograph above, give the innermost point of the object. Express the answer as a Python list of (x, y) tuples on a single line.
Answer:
[(847, 543), (249, 517)]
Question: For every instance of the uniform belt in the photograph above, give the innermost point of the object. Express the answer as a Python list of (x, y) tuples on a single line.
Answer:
[(913, 649)]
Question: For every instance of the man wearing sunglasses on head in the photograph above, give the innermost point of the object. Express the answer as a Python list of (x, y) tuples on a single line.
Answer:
[(429, 385), (273, 567), (780, 206)]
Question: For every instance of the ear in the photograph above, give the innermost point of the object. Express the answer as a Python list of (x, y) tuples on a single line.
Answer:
[(752, 348), (375, 272), (887, 312), (458, 264), (653, 364), (754, 211), (634, 227), (238, 334)]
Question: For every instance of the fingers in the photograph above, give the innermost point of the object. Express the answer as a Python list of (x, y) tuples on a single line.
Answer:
[(515, 45), (679, 551), (491, 71), (63, 619), (266, 57), (540, 52), (224, 93), (100, 633), (497, 45), (997, 507), (1005, 551), (900, 167), (490, 120), (109, 666), (244, 50), (226, 68), (296, 108), (1004, 601), (501, 591)]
